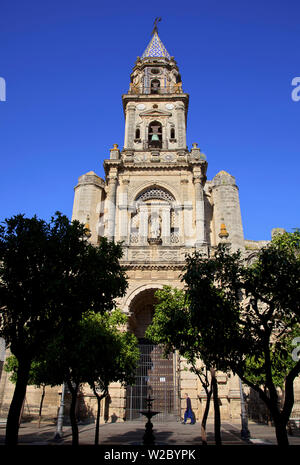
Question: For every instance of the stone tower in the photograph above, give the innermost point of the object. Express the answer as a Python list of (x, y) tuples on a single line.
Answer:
[(157, 200)]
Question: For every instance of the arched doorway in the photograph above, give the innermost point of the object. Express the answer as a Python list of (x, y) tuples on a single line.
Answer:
[(155, 375)]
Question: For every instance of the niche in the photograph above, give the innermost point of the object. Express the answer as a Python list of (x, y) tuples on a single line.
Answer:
[(155, 86), (155, 134)]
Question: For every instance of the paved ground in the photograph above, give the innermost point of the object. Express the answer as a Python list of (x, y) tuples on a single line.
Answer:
[(131, 433)]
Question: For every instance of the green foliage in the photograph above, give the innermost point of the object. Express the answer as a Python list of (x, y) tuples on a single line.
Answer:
[(37, 373), (213, 291), (49, 276), (97, 351), (247, 317), (244, 313), (170, 325), (281, 361)]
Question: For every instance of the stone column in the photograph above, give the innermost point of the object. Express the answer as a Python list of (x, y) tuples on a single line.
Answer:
[(111, 207), (199, 211), (185, 228), (188, 230), (181, 130), (164, 137), (129, 126), (165, 226), (234, 397), (179, 212), (123, 212), (143, 226)]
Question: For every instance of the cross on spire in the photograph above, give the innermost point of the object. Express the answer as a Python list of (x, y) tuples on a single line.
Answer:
[(155, 29), (155, 47)]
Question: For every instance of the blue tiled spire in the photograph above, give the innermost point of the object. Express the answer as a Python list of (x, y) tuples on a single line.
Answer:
[(156, 48)]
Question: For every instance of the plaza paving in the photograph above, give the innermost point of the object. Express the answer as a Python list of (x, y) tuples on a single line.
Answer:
[(131, 433)]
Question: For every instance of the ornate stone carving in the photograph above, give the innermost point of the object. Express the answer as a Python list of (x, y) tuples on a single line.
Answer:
[(156, 193), (139, 255), (174, 238)]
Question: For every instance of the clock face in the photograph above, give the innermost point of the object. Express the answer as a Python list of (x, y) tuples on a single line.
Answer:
[(140, 106), (169, 106)]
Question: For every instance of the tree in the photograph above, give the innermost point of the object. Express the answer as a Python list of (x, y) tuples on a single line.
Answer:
[(37, 377), (247, 317), (172, 327), (119, 356), (95, 352), (49, 276)]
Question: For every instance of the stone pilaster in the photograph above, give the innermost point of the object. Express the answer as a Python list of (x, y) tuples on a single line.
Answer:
[(123, 212), (165, 232), (164, 136), (234, 397), (189, 230), (181, 144), (111, 206), (199, 211), (143, 224), (130, 126)]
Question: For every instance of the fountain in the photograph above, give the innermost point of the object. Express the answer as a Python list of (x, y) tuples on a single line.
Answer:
[(148, 437)]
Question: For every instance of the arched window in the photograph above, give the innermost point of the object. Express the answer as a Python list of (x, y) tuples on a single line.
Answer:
[(158, 193), (172, 133), (155, 134), (155, 85), (137, 133)]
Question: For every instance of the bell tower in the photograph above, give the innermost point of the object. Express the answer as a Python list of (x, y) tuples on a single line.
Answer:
[(155, 107), (155, 185)]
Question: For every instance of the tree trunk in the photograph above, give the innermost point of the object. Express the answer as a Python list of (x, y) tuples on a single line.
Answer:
[(41, 405), (13, 418), (74, 391), (280, 418), (217, 416), (281, 432), (99, 398), (97, 420), (204, 418)]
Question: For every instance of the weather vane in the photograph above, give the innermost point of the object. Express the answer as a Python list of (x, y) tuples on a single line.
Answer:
[(157, 20)]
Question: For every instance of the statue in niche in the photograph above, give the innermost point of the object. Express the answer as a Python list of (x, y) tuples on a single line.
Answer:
[(154, 228)]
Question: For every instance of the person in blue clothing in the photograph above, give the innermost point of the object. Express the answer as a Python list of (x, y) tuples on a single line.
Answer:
[(189, 412)]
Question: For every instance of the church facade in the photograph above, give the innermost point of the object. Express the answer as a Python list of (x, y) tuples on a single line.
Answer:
[(157, 199)]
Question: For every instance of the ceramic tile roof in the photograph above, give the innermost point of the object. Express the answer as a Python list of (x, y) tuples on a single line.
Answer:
[(156, 48)]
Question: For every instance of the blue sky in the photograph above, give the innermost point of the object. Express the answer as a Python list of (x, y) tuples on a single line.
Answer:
[(67, 63)]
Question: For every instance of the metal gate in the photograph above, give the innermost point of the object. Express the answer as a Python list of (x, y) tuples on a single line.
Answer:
[(155, 376)]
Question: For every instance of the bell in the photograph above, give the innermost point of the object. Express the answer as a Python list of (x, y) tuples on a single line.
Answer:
[(154, 138)]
